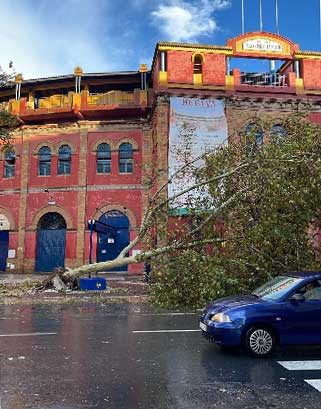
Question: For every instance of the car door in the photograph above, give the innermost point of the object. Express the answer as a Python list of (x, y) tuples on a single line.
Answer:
[(301, 320)]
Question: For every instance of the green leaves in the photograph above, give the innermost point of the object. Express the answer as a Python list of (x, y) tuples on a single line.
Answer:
[(271, 217)]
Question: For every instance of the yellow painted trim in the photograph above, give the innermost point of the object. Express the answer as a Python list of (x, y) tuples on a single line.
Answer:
[(195, 49), (285, 66), (162, 77), (229, 81), (307, 55), (198, 79), (15, 106), (76, 100), (207, 87), (286, 47), (200, 55), (142, 98), (313, 92), (299, 85)]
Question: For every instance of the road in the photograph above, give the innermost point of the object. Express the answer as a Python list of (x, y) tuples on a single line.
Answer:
[(126, 356)]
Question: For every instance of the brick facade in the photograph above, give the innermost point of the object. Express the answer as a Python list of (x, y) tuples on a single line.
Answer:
[(124, 113)]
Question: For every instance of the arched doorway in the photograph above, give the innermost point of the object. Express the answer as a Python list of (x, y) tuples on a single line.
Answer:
[(112, 243), (51, 242), (4, 241)]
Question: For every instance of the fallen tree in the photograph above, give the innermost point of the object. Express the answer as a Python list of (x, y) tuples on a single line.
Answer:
[(266, 197)]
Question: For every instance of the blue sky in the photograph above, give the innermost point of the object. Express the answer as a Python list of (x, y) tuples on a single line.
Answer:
[(51, 37)]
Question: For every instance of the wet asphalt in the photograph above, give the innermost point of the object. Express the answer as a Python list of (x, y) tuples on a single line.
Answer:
[(85, 356)]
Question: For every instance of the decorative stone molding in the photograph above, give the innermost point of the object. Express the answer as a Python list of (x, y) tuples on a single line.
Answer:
[(8, 219), (42, 144), (99, 141), (129, 213), (126, 140), (65, 142), (52, 209)]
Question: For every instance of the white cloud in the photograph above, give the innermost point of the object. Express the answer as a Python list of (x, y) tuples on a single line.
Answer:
[(179, 20), (48, 38)]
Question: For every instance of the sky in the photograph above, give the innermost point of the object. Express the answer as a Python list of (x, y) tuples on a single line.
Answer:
[(51, 37)]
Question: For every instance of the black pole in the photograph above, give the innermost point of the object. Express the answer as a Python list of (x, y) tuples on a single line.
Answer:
[(90, 245)]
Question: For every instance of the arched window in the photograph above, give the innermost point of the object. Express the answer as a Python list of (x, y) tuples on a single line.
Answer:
[(103, 158), (44, 161), (198, 64), (9, 164), (255, 130), (64, 160), (126, 158), (278, 131)]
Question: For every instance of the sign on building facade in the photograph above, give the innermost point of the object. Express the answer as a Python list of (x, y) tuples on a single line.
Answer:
[(196, 126)]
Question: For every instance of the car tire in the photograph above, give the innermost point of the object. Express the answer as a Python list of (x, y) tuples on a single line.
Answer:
[(259, 341)]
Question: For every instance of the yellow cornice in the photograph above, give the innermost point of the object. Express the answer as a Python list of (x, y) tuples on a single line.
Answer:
[(200, 48), (307, 55)]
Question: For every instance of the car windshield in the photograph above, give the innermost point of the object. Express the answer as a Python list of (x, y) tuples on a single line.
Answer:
[(274, 289)]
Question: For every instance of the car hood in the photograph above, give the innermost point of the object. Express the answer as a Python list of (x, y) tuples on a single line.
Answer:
[(231, 302)]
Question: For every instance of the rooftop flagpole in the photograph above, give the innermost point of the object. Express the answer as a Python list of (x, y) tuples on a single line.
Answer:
[(261, 18), (320, 22), (243, 16), (277, 17)]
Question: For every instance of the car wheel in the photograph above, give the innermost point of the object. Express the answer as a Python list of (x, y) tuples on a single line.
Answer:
[(260, 341)]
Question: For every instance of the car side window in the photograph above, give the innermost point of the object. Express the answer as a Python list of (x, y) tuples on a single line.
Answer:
[(311, 291)]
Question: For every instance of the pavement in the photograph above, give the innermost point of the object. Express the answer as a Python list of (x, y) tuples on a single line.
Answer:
[(132, 356), (117, 285)]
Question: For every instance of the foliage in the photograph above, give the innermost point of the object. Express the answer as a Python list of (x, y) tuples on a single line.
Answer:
[(190, 279), (8, 122), (271, 226)]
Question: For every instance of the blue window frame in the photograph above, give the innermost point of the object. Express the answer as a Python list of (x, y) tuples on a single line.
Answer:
[(44, 161), (255, 130), (64, 160), (103, 158), (278, 131), (126, 158), (9, 164)]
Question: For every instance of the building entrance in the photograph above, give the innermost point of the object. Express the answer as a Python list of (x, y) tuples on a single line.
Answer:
[(110, 244), (51, 242)]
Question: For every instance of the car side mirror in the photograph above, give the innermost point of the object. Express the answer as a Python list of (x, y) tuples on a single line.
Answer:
[(297, 298)]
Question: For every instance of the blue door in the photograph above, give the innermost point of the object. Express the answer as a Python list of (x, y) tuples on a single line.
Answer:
[(4, 246), (112, 243), (51, 242)]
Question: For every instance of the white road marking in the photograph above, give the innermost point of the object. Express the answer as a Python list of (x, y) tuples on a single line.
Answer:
[(316, 383), (301, 365), (166, 330), (28, 334)]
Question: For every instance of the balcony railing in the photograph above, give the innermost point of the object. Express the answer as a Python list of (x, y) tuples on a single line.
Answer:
[(263, 79), (83, 100)]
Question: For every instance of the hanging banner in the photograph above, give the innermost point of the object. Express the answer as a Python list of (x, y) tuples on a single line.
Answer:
[(196, 126)]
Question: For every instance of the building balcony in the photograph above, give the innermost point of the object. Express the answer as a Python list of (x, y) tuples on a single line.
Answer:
[(82, 105)]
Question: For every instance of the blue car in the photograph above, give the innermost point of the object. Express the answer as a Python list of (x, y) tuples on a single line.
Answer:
[(284, 311)]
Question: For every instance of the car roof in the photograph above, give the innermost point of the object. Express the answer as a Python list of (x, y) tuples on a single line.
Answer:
[(304, 274)]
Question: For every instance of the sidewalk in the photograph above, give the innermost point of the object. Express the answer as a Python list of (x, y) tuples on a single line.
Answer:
[(117, 284)]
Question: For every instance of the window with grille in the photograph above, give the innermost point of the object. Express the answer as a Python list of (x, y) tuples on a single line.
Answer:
[(44, 161), (64, 160), (126, 158), (9, 164), (103, 158)]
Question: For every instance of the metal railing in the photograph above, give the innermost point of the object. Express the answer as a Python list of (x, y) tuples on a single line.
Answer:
[(263, 79)]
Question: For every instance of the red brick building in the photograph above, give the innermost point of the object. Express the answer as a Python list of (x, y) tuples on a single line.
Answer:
[(87, 141)]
